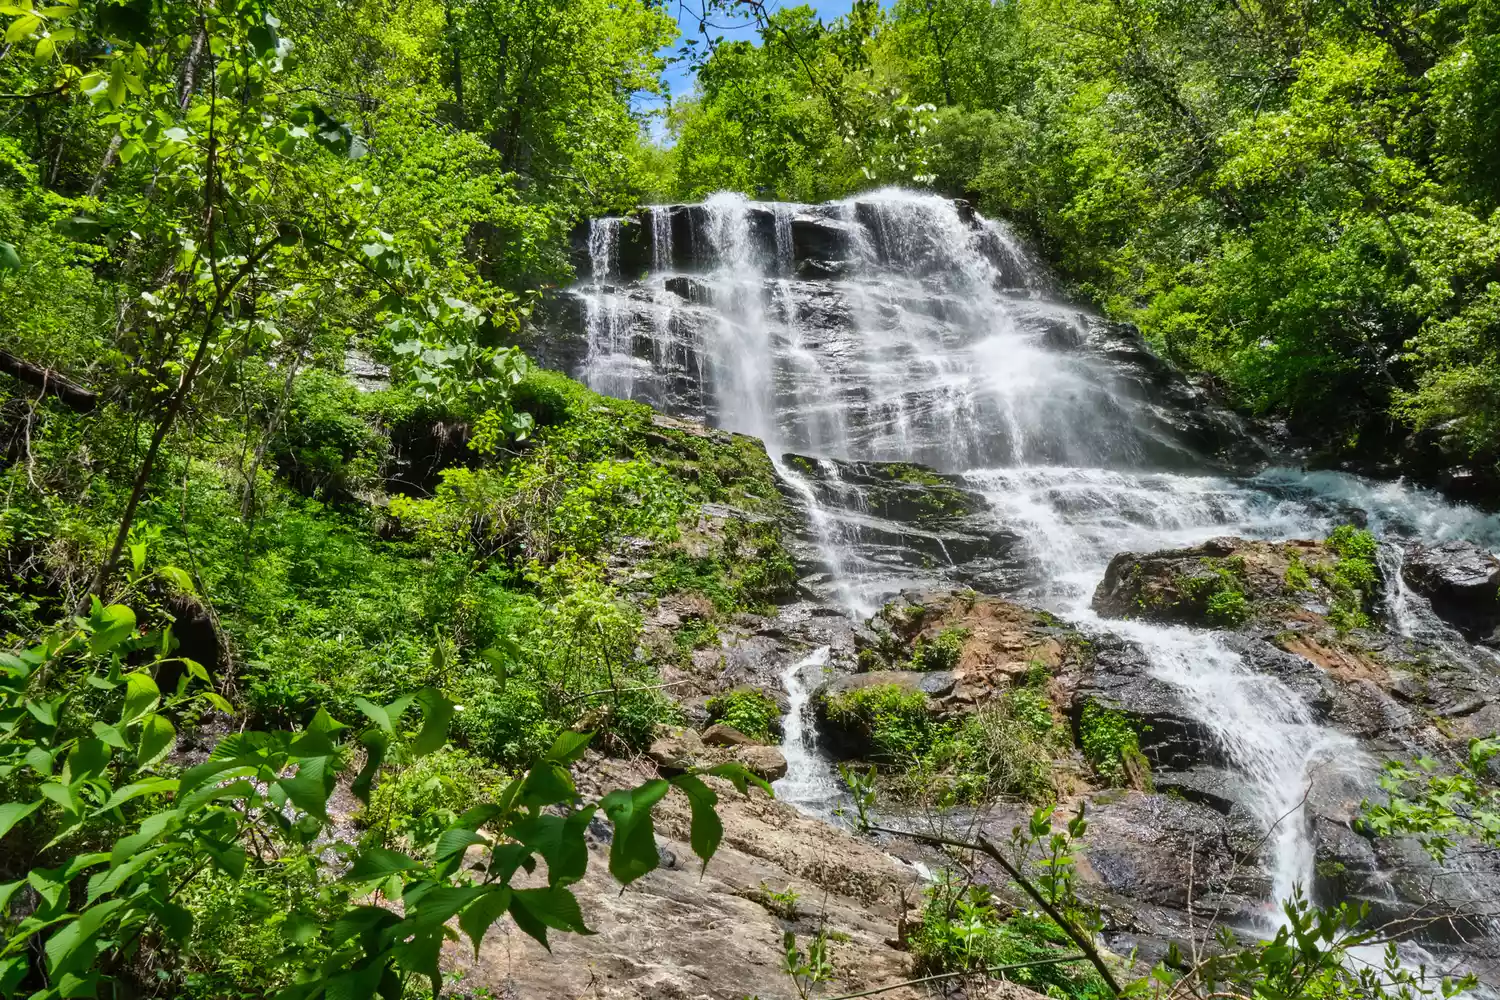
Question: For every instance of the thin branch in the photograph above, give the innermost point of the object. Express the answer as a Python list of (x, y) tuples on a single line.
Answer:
[(999, 858), (988, 971)]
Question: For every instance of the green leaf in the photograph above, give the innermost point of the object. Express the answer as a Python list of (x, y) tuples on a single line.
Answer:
[(151, 827), (534, 910), (141, 696), (111, 735), (110, 627), (107, 881), (74, 948), (177, 577), (309, 789), (437, 712), (707, 829), (157, 739), (480, 915), (12, 813), (378, 862), (442, 902), (376, 743), (9, 259), (7, 890), (547, 784), (633, 852), (559, 840), (151, 786), (568, 747), (456, 840), (322, 722), (741, 776), (88, 759)]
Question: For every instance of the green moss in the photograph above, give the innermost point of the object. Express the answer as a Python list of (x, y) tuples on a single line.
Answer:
[(1297, 576), (750, 710)]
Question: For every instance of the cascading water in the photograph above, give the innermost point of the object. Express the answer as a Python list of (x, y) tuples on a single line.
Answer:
[(901, 327)]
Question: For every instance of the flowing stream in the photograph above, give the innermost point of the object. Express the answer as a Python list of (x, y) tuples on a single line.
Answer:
[(901, 327)]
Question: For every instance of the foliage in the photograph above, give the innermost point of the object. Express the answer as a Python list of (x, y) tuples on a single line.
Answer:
[(92, 914), (987, 753), (1440, 809), (1228, 608), (1352, 578), (1112, 745), (750, 710), (941, 652), (416, 802)]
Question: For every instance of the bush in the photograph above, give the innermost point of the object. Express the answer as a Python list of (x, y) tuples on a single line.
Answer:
[(941, 652), (1112, 745), (751, 711), (1352, 578), (894, 719), (963, 928), (1228, 608), (416, 802)]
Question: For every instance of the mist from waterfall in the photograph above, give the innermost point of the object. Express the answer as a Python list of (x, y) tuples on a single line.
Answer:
[(926, 334)]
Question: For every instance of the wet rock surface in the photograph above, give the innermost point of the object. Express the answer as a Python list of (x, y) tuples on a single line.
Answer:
[(1461, 581)]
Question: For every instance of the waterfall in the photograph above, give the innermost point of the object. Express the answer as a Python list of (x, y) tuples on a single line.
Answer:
[(902, 327)]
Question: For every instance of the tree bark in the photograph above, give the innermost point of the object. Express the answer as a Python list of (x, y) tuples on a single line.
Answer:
[(73, 395)]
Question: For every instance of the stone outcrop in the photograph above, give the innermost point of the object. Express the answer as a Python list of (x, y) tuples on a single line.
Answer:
[(685, 932), (1462, 583), (1186, 585), (679, 750)]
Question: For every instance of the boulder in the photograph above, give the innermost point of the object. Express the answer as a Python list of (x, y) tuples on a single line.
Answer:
[(679, 750), (1460, 580), (722, 735), (1188, 586)]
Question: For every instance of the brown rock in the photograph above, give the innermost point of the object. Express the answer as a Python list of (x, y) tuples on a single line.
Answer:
[(722, 735)]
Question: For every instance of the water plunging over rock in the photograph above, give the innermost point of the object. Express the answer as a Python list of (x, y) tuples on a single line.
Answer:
[(939, 418)]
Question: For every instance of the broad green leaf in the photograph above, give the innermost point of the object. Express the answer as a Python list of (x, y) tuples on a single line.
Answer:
[(309, 789), (73, 948), (455, 841), (111, 626), (534, 910), (376, 742), (141, 696), (440, 903), (7, 890), (480, 915), (378, 862), (87, 759), (322, 722), (107, 881), (9, 259), (151, 786), (12, 813), (707, 829), (63, 795), (741, 776), (568, 747), (547, 784), (151, 827), (111, 735), (437, 712), (157, 738), (632, 852), (560, 842)]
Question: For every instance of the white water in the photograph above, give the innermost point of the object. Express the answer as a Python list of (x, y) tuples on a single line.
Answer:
[(936, 343), (810, 783)]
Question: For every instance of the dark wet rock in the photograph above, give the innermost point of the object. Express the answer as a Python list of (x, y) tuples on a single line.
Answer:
[(1152, 848), (1221, 789), (817, 238), (1304, 677), (1460, 580), (1170, 737)]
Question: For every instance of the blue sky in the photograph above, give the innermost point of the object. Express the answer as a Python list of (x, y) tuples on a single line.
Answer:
[(680, 77)]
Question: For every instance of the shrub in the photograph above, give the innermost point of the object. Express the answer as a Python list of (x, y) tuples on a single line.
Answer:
[(750, 710), (1111, 744), (963, 928), (1352, 578), (941, 652), (894, 719), (1228, 608), (416, 802)]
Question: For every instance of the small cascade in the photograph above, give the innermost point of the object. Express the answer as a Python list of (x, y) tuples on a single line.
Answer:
[(810, 783)]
